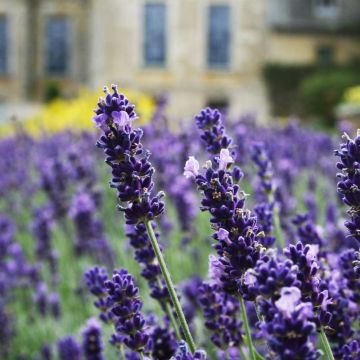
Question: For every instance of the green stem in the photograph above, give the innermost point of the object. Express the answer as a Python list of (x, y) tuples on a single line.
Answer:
[(326, 345), (242, 354), (277, 228), (141, 356), (172, 319), (170, 286), (247, 329)]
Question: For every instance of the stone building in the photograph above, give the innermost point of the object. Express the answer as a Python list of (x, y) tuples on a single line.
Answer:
[(303, 32), (202, 52)]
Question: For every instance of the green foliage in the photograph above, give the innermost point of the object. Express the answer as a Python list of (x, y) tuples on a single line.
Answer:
[(52, 91), (309, 90), (322, 91), (283, 85)]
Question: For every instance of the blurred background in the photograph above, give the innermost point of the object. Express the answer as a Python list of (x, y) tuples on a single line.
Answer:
[(264, 63), (275, 58)]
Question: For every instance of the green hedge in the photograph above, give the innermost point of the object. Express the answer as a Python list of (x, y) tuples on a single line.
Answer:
[(283, 87), (309, 90)]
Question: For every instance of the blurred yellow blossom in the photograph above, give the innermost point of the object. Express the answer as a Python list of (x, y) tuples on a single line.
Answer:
[(75, 114)]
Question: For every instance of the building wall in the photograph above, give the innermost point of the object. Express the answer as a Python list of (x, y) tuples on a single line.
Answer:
[(26, 77), (107, 47), (300, 49), (185, 76), (12, 84)]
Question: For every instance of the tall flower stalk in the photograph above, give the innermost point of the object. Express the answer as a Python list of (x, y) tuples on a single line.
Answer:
[(132, 175), (238, 239)]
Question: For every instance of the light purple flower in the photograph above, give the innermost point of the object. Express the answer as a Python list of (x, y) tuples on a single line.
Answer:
[(250, 277), (326, 300), (225, 159), (290, 297), (223, 234), (215, 269), (121, 118), (312, 254), (101, 121), (191, 168)]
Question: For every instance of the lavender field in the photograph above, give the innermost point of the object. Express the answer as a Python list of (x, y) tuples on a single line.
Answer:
[(225, 240)]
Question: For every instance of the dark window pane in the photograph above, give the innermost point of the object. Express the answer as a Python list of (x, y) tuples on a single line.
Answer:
[(325, 55), (57, 45), (3, 45), (155, 35), (219, 36), (300, 9)]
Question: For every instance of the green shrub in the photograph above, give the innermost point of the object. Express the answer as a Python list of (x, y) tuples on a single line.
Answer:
[(283, 83), (322, 91)]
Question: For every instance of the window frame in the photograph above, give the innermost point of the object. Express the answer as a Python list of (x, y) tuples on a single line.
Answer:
[(68, 46), (5, 72), (213, 66), (146, 62)]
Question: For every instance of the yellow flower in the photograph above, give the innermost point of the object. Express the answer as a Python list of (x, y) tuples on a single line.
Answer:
[(75, 114)]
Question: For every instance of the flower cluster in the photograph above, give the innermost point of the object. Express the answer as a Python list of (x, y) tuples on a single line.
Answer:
[(131, 170), (213, 131), (238, 237), (349, 185), (220, 312), (290, 330), (69, 349), (92, 345)]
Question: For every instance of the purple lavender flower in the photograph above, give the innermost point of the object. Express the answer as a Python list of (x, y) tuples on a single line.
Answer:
[(42, 229), (95, 279), (348, 186), (53, 180), (90, 236), (184, 354), (269, 276), (213, 131), (6, 330), (69, 349), (92, 343), (126, 310), (163, 343), (132, 172), (220, 312), (351, 351), (225, 202), (313, 288), (352, 279), (265, 170), (289, 331), (307, 231)]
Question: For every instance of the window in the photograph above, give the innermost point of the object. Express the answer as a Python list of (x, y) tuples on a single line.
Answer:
[(326, 8), (218, 52), (155, 34), (57, 45), (300, 9), (221, 104), (3, 45), (325, 55)]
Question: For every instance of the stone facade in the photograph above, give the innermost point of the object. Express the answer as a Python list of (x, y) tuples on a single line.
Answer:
[(106, 46)]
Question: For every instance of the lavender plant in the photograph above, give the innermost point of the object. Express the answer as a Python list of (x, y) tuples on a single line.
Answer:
[(132, 177)]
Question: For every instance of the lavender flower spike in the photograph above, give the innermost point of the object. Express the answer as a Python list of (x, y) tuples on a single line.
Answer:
[(289, 331), (69, 349), (131, 170), (126, 310), (92, 345), (133, 178), (349, 185)]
